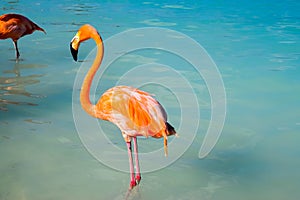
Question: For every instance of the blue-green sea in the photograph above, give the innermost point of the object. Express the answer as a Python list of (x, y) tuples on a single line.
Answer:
[(255, 46)]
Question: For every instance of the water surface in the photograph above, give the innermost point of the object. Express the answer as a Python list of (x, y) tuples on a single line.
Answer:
[(255, 45)]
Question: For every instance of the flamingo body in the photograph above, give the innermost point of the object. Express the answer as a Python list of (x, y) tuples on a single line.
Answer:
[(135, 112), (15, 26)]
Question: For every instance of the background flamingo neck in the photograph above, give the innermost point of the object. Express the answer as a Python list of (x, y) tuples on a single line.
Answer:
[(86, 86)]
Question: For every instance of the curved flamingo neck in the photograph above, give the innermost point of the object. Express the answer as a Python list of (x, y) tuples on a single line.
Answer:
[(86, 85)]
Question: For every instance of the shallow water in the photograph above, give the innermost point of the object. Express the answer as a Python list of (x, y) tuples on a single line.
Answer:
[(256, 48)]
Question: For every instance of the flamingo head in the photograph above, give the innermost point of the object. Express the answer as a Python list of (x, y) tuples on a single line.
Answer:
[(85, 32)]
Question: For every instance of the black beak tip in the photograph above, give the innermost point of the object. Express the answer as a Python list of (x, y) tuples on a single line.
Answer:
[(73, 52)]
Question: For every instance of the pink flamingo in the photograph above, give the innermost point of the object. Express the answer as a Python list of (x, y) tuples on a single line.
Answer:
[(15, 26), (135, 112)]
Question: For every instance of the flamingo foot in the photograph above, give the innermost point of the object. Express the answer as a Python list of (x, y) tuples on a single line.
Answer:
[(138, 179), (132, 184)]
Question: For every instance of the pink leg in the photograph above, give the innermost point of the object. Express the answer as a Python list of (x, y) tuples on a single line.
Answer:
[(132, 180), (138, 174)]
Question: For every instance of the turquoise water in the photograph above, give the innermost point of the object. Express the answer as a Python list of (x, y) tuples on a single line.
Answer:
[(255, 45)]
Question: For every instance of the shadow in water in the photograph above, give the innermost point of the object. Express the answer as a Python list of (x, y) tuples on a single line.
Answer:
[(133, 194), (130, 194), (13, 86)]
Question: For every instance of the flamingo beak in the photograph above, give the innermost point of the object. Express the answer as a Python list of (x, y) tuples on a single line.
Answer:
[(74, 45), (73, 52)]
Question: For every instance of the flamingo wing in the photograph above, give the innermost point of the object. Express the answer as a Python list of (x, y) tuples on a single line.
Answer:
[(134, 111), (16, 26)]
